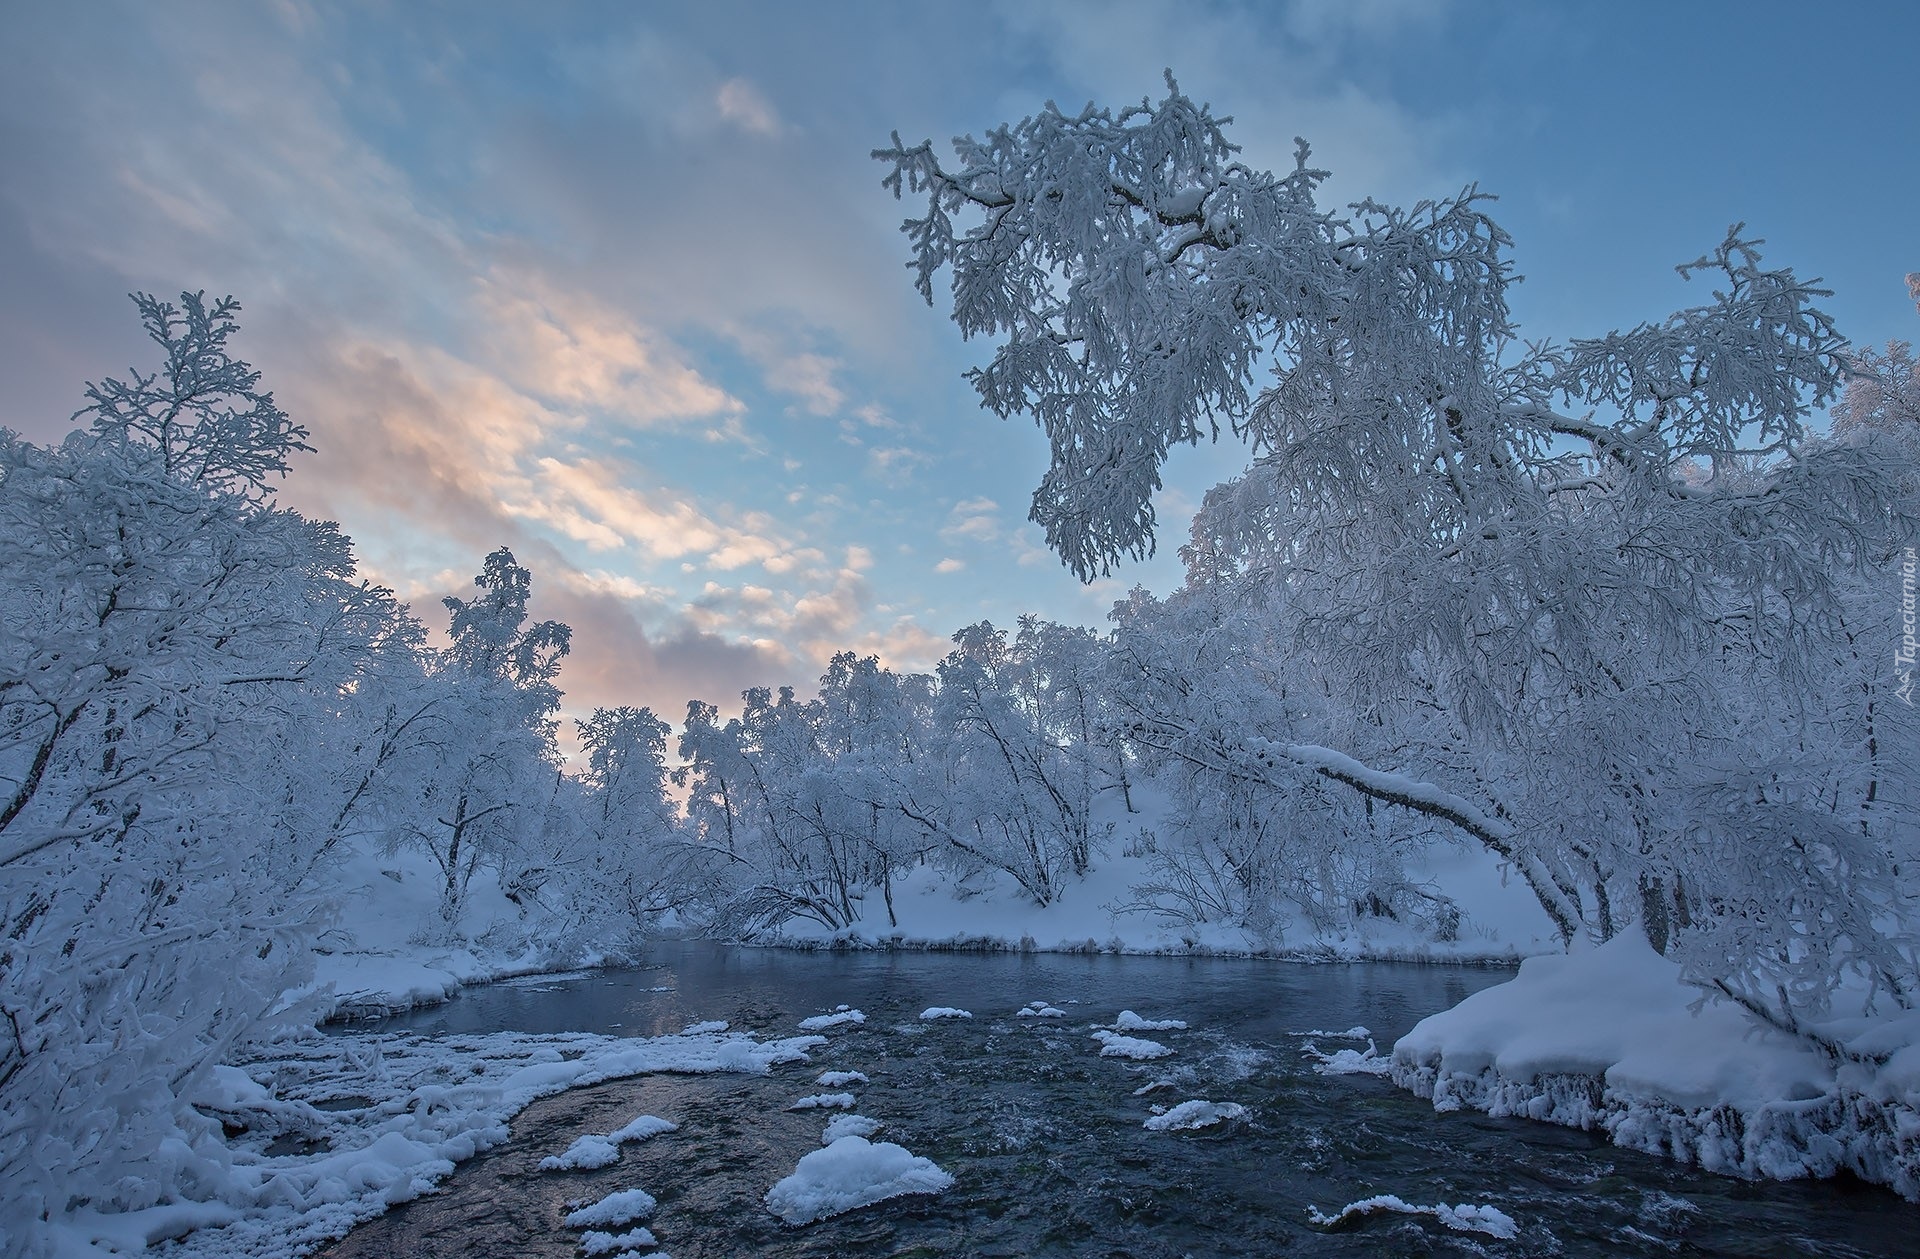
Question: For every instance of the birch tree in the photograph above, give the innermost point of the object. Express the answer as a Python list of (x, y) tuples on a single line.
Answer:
[(1592, 559)]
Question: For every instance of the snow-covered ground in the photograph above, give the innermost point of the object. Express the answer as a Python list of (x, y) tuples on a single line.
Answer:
[(933, 908), (384, 1119), (1609, 1038), (378, 957)]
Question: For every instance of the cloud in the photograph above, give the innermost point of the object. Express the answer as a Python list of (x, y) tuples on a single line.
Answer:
[(978, 523), (811, 623), (631, 650), (742, 104), (896, 464), (547, 318), (1331, 21), (789, 367), (949, 565), (572, 350), (905, 646), (977, 519)]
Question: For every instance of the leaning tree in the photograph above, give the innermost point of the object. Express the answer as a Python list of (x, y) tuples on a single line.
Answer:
[(1578, 601)]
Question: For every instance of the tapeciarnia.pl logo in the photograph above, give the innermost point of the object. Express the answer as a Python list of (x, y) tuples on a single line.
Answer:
[(1903, 654)]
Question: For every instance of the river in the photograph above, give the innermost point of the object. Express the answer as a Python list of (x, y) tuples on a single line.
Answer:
[(1045, 1138)]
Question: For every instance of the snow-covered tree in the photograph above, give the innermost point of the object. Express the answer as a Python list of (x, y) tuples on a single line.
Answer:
[(497, 764), (804, 796), (164, 632), (1017, 781), (638, 860), (1200, 676), (1575, 569)]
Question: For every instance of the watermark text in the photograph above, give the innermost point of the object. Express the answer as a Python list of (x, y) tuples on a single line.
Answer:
[(1903, 654)]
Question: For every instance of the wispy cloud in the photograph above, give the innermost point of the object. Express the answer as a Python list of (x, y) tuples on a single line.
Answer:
[(573, 350), (742, 104)]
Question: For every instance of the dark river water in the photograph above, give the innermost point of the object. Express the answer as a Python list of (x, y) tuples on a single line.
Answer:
[(1045, 1138)]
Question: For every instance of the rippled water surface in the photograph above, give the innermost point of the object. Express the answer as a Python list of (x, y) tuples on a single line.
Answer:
[(1045, 1138)]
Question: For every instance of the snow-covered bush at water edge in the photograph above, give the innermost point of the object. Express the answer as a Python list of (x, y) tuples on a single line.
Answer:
[(1609, 1038)]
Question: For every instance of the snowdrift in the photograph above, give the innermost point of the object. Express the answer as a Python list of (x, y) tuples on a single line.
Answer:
[(1608, 1039)]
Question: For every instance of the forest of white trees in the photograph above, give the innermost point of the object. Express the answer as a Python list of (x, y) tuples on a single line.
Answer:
[(1620, 610)]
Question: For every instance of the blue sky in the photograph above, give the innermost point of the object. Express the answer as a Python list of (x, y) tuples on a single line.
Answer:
[(616, 284)]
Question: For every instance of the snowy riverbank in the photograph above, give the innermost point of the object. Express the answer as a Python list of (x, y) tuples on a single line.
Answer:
[(378, 961), (328, 1133), (1105, 913), (1608, 1039)]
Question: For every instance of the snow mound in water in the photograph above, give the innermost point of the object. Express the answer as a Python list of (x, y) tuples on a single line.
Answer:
[(1465, 1218), (945, 1012), (848, 1126), (850, 1173), (595, 1151), (1039, 1010), (642, 1128), (1131, 1022), (1114, 1045), (834, 1079), (820, 1022), (1350, 1061), (613, 1210), (1199, 1113), (597, 1243), (588, 1153), (1352, 1033), (824, 1101)]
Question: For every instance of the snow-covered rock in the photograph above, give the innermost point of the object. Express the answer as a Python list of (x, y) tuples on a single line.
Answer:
[(1196, 1114), (821, 1022), (852, 1172), (614, 1210), (823, 1101), (595, 1243), (586, 1154), (1131, 1022), (1350, 1061), (1465, 1218), (595, 1151), (1114, 1045), (848, 1126), (945, 1012), (834, 1079)]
